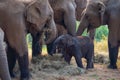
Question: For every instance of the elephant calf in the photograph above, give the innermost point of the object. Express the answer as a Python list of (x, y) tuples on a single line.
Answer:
[(79, 47)]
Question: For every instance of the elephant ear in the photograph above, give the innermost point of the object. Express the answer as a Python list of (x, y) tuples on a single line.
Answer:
[(33, 13), (101, 8)]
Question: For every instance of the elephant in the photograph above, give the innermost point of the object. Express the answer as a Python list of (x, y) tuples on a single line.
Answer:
[(104, 12), (79, 47), (4, 71), (80, 6), (16, 20), (65, 20), (43, 19)]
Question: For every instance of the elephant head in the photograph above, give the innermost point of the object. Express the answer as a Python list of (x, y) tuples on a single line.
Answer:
[(92, 16), (61, 43), (39, 15)]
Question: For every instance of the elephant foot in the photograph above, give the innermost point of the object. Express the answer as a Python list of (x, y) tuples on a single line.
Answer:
[(112, 67)]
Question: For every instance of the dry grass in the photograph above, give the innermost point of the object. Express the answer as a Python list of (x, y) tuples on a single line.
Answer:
[(101, 47)]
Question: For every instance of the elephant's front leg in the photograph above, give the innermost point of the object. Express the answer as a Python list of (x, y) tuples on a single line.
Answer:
[(23, 65), (78, 59), (67, 58), (90, 56), (113, 54), (36, 44), (49, 48)]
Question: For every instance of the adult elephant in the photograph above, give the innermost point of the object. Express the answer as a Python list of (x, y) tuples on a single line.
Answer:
[(39, 17), (15, 20), (4, 71), (64, 16), (80, 6), (100, 12), (13, 25)]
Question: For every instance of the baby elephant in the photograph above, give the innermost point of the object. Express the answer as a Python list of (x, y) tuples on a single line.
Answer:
[(79, 47)]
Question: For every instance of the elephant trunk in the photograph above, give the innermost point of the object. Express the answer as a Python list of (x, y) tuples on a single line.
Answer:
[(83, 24), (54, 47), (52, 33), (4, 72)]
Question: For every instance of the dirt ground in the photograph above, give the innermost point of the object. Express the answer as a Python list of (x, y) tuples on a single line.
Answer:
[(55, 68)]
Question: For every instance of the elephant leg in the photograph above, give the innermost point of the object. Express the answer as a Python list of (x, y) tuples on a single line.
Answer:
[(4, 71), (89, 63), (113, 54), (49, 48), (23, 65), (67, 58), (89, 57), (36, 46), (78, 60), (11, 56)]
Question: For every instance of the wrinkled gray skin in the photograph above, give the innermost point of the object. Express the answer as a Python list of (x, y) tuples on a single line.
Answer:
[(4, 71), (100, 12), (79, 47)]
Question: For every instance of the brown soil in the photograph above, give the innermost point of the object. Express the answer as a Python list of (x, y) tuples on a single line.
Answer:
[(55, 68)]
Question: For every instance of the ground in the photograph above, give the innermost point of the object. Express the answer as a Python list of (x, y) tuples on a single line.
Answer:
[(55, 68)]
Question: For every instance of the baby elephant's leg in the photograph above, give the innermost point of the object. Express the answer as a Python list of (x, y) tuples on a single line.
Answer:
[(79, 61), (89, 58), (67, 58)]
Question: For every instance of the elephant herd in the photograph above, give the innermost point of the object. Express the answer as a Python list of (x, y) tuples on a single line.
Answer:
[(54, 18)]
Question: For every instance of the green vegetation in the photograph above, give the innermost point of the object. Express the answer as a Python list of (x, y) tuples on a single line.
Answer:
[(100, 34)]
